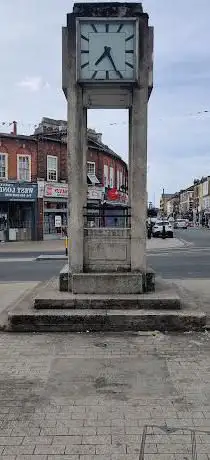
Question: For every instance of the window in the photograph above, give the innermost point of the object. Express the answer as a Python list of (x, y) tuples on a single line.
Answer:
[(106, 181), (121, 178), (3, 166), (52, 168), (24, 167), (91, 167), (111, 180), (118, 179)]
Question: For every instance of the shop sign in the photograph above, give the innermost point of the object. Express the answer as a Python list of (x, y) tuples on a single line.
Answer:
[(18, 191), (56, 190), (113, 194), (57, 221), (95, 193)]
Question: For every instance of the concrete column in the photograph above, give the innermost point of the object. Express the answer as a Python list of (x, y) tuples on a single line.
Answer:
[(130, 147), (76, 177), (85, 147), (138, 164)]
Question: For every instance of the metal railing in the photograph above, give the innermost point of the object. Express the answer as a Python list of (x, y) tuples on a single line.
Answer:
[(102, 217)]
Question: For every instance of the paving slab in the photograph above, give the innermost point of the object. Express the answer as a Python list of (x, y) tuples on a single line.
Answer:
[(104, 396)]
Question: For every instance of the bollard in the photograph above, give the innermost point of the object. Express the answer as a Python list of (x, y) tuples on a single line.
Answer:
[(149, 232), (66, 245), (164, 232)]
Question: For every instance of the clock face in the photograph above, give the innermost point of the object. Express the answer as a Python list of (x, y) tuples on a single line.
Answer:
[(107, 50)]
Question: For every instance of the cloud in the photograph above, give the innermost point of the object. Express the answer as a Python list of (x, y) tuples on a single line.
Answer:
[(33, 84), (178, 135)]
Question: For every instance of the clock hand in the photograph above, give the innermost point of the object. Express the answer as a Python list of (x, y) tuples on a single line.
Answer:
[(113, 64), (104, 54)]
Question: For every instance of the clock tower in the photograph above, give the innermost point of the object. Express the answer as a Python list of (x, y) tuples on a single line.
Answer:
[(107, 63)]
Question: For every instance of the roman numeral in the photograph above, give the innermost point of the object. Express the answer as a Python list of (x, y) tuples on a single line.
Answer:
[(107, 28), (107, 75), (129, 38), (85, 38), (129, 65), (120, 28), (129, 51), (94, 28), (84, 51), (84, 65), (94, 74)]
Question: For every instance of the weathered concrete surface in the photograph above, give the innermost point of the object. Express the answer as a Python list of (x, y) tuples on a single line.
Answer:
[(105, 321), (200, 290), (104, 397), (165, 297), (65, 279), (57, 300), (110, 317), (107, 249), (10, 293), (107, 283)]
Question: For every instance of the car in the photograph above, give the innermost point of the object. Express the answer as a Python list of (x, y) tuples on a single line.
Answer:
[(157, 229), (181, 223)]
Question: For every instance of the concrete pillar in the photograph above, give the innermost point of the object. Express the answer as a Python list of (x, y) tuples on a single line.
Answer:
[(130, 148), (76, 121), (138, 164), (85, 147)]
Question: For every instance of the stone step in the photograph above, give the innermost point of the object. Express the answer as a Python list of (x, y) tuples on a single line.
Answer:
[(105, 321), (57, 300)]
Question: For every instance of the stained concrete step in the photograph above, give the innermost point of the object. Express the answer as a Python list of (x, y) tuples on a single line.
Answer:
[(57, 300), (105, 321)]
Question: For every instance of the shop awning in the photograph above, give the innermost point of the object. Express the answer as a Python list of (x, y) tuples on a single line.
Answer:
[(93, 179)]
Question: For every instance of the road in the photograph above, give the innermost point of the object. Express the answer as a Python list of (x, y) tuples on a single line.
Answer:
[(179, 263), (188, 262)]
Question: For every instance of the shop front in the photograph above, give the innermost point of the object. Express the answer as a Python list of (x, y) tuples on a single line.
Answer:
[(55, 202), (92, 216), (116, 211), (18, 211)]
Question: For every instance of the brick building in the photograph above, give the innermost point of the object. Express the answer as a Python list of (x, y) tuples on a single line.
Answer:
[(33, 180)]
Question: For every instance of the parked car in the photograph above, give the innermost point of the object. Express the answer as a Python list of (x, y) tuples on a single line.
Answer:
[(157, 230), (181, 223)]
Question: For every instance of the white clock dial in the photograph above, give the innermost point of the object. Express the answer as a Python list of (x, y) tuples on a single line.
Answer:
[(107, 50)]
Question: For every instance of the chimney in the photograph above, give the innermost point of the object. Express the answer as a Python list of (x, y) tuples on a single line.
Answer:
[(14, 128)]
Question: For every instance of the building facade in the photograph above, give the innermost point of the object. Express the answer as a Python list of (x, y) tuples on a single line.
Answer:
[(34, 181), (173, 206), (163, 203), (186, 198)]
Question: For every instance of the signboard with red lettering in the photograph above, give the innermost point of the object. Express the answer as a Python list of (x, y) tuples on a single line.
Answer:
[(114, 195), (56, 190)]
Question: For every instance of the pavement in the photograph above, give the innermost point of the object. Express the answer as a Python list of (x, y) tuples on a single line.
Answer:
[(33, 246), (11, 293), (140, 396), (104, 397)]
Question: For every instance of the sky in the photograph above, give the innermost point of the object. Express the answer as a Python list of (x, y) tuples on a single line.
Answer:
[(179, 107)]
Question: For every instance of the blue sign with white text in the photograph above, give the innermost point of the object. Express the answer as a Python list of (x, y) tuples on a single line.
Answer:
[(18, 191)]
